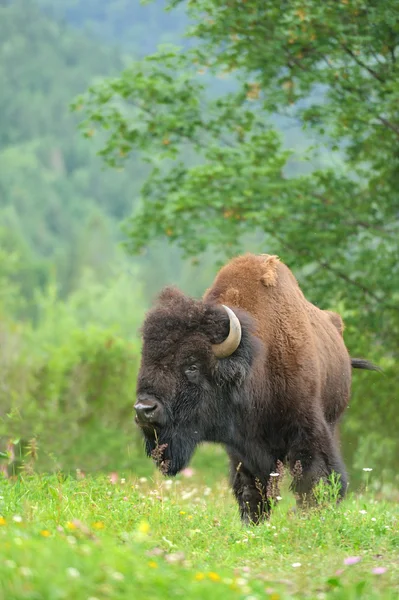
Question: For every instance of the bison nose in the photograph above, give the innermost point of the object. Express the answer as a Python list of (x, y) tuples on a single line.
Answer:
[(148, 410)]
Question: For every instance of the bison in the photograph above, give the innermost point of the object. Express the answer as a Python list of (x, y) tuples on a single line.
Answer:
[(253, 366)]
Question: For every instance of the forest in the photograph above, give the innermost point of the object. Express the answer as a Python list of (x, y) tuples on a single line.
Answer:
[(132, 156)]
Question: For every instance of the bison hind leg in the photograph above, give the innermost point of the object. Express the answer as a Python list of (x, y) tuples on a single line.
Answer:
[(311, 466)]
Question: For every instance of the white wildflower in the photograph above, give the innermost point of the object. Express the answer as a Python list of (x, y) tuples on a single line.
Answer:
[(72, 572), (71, 539), (17, 518), (296, 565), (367, 469), (363, 512), (274, 474), (187, 495)]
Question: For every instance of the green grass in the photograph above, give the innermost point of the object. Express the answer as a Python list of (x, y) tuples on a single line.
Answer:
[(88, 539)]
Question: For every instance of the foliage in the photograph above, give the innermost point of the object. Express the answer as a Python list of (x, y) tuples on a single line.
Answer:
[(130, 539), (331, 67), (68, 382)]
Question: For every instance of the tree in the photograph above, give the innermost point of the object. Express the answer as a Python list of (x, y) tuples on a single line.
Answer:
[(330, 66)]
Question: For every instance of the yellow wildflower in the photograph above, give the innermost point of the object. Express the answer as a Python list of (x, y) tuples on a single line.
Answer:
[(182, 512), (199, 576), (153, 564), (45, 533), (98, 525), (144, 527), (2, 521), (71, 525), (213, 576)]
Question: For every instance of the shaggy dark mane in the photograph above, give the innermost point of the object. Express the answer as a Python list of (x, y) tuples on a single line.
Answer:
[(176, 317)]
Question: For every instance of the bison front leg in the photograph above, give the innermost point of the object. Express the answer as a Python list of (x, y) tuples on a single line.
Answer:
[(313, 460), (250, 493)]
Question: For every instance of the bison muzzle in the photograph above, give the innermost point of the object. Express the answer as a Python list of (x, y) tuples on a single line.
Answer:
[(253, 366)]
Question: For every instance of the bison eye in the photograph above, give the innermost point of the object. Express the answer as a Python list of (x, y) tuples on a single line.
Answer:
[(192, 373)]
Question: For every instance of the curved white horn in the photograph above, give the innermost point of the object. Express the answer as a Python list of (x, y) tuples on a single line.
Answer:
[(231, 343)]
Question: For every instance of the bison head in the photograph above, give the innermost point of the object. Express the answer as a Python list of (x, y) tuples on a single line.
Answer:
[(195, 360)]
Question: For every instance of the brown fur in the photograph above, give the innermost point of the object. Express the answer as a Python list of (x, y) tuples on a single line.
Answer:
[(301, 339)]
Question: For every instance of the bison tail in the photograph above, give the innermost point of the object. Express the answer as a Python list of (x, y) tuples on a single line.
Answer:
[(362, 363)]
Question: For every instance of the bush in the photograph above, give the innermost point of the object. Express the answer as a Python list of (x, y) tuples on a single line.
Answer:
[(68, 383)]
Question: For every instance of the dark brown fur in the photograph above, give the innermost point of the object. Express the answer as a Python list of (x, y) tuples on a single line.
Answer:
[(279, 397)]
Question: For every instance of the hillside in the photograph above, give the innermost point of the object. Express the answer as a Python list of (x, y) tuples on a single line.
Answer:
[(54, 195), (136, 27)]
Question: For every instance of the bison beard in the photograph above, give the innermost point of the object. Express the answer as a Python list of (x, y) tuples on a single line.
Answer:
[(253, 366), (171, 452)]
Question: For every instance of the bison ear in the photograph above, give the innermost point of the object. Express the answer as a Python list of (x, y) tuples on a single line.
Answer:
[(269, 276), (170, 294), (232, 372), (336, 319)]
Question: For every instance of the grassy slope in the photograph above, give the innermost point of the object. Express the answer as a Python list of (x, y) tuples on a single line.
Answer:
[(93, 539)]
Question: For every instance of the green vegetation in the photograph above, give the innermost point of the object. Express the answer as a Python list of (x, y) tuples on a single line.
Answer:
[(96, 539), (68, 381)]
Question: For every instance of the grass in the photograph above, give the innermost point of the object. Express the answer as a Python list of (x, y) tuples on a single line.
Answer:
[(93, 539)]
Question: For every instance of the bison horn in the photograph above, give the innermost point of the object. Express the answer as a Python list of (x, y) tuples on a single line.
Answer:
[(231, 343)]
